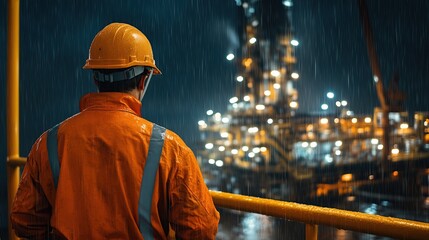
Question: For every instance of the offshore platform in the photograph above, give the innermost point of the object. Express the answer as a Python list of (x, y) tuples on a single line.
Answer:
[(263, 147)]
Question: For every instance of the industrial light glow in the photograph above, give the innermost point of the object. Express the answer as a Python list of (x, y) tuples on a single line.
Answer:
[(270, 120), (230, 57), (233, 100), (287, 3), (294, 75), (304, 144), (212, 161), (324, 121), (209, 146), (225, 120), (276, 85), (324, 106), (240, 78), (260, 107), (338, 143), (293, 104), (395, 151), (294, 42), (234, 151), (246, 98), (367, 120), (354, 120), (245, 148), (313, 144), (338, 103), (209, 112), (219, 163), (267, 93), (252, 40), (344, 103), (374, 141), (330, 95), (224, 134), (404, 125), (275, 73), (221, 148)]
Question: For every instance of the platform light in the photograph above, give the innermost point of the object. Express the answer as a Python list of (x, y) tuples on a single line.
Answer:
[(263, 149), (245, 148), (260, 107), (209, 112), (336, 120), (343, 103), (328, 158), (287, 3), (212, 161), (224, 134), (354, 120), (233, 100), (276, 86), (201, 123), (246, 98), (349, 113), (294, 75), (338, 152), (240, 78), (330, 95), (270, 121), (230, 57), (252, 40), (338, 143), (367, 120), (256, 150), (395, 151), (275, 73), (304, 144), (347, 177), (338, 103), (209, 146), (293, 104), (253, 130), (219, 163), (221, 148), (324, 106), (324, 121), (251, 154), (294, 42), (374, 141), (234, 151), (313, 144), (225, 120), (403, 125), (217, 117), (267, 93), (380, 147)]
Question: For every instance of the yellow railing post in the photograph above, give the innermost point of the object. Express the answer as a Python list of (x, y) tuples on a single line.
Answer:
[(311, 231), (12, 102)]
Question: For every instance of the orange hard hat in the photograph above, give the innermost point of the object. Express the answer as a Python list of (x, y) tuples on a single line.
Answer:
[(120, 45)]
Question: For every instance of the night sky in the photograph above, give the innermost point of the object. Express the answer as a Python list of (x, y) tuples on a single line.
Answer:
[(190, 39)]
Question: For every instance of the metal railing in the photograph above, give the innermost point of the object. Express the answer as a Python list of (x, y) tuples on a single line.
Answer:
[(312, 216)]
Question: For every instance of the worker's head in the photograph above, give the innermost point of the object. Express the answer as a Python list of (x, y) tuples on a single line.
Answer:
[(121, 59)]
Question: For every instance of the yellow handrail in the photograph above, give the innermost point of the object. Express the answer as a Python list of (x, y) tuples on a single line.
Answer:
[(314, 215)]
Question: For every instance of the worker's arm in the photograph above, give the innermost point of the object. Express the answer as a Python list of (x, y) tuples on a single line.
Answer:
[(31, 210), (192, 213)]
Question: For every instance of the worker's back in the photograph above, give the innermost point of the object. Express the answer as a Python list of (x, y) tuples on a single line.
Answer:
[(103, 152)]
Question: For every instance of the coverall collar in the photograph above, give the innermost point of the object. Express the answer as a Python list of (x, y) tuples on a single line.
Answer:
[(110, 101)]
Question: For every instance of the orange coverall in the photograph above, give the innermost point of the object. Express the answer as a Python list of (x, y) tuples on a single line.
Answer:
[(102, 156)]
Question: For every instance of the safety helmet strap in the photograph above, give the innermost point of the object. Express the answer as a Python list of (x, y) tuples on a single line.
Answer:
[(119, 76), (147, 83)]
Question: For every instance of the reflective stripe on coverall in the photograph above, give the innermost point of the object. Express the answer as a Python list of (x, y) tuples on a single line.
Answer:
[(148, 180), (103, 153)]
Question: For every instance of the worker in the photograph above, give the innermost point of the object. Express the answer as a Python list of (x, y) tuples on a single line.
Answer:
[(108, 173)]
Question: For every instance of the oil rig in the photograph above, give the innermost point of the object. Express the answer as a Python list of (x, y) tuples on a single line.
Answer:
[(263, 147)]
